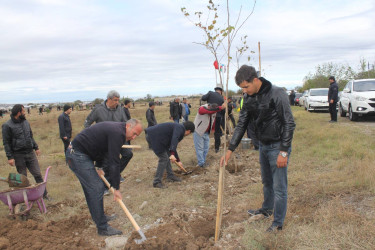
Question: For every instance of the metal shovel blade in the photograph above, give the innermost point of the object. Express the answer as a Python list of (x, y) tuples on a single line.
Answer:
[(142, 239)]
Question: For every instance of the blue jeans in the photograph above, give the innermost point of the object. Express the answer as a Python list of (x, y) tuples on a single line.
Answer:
[(275, 182), (186, 118), (201, 144), (93, 187)]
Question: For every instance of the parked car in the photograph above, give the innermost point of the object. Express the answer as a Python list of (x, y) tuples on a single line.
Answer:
[(358, 99), (296, 99), (317, 99), (301, 100)]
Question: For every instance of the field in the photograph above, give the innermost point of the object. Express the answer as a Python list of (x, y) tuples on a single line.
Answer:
[(331, 203)]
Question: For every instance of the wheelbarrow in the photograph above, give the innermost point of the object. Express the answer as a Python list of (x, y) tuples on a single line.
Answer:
[(28, 195)]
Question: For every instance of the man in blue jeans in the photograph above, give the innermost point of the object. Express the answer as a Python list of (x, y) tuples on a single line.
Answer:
[(102, 140), (267, 107), (204, 122)]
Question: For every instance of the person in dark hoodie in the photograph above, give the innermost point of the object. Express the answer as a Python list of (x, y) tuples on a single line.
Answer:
[(333, 98), (110, 110), (150, 115), (267, 107), (164, 139), (65, 126), (19, 145)]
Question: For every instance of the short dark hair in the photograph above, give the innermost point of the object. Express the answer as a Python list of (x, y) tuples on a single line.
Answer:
[(332, 78), (150, 104), (127, 101), (245, 73), (189, 126), (17, 108)]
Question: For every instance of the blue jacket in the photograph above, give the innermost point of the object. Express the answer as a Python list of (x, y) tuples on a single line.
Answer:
[(165, 137)]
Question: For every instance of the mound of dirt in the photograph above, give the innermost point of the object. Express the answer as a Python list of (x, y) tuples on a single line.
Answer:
[(32, 234), (180, 232)]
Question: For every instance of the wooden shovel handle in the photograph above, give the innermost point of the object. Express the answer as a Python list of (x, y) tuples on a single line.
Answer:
[(132, 146), (178, 164), (134, 223)]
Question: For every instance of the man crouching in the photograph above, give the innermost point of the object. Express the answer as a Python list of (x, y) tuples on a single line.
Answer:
[(101, 140)]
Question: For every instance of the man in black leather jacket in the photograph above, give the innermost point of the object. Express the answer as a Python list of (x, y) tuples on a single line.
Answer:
[(333, 98), (267, 107)]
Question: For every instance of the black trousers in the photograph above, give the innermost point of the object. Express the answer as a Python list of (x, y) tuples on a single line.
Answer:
[(218, 133), (333, 111), (28, 161), (66, 144), (233, 120)]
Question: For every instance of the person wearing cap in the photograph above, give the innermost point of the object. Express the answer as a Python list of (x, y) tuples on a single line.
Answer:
[(65, 126), (333, 98), (216, 97)]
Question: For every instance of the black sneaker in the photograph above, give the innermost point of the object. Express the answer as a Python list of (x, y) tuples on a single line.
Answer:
[(274, 229), (110, 217), (109, 231), (173, 179), (266, 213), (159, 185)]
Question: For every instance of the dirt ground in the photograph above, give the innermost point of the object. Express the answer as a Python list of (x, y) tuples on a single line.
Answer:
[(179, 227)]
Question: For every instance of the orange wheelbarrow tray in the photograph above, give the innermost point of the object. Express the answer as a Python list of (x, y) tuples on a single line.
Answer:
[(27, 195)]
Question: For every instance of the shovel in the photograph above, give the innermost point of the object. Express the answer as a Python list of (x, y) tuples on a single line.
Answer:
[(180, 166), (134, 223), (16, 180)]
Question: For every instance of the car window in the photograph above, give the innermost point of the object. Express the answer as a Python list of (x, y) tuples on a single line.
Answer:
[(319, 92), (364, 86), (298, 95)]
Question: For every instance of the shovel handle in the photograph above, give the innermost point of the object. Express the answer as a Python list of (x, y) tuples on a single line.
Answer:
[(134, 223), (178, 164), (132, 146)]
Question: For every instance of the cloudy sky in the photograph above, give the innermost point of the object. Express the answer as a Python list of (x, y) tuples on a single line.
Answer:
[(65, 50)]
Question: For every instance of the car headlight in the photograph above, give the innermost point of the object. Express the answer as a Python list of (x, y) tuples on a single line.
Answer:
[(360, 98)]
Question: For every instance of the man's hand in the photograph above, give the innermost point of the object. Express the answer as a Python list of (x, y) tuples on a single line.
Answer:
[(65, 138), (282, 162), (11, 162), (224, 105), (227, 156), (173, 158), (117, 195), (38, 152)]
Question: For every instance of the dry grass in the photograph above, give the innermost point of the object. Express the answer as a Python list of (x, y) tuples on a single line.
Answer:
[(331, 183)]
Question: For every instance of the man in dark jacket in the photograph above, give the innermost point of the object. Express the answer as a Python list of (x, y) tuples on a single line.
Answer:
[(65, 126), (150, 115), (19, 144), (333, 98), (216, 97), (102, 141), (163, 139), (110, 110), (127, 105), (274, 127), (175, 110)]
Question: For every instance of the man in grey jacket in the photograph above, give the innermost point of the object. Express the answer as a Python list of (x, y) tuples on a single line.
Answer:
[(110, 110)]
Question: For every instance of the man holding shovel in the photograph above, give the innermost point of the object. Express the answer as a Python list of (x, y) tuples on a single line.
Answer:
[(163, 139), (267, 107), (102, 140)]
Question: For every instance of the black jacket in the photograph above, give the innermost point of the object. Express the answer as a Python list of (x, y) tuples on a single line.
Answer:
[(127, 114), (333, 92), (270, 112), (18, 137), (65, 126), (150, 116), (165, 137), (102, 113), (101, 140), (175, 110), (214, 97)]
